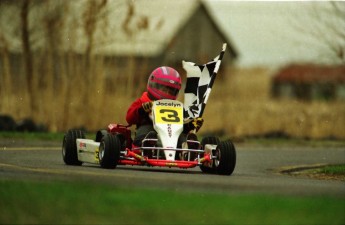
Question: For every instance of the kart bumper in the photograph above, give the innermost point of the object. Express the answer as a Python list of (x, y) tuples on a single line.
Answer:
[(132, 158)]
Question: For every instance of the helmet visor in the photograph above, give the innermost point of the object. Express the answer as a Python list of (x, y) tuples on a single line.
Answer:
[(166, 89)]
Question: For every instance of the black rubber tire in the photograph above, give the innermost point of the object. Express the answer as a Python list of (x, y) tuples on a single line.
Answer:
[(109, 151), (69, 147), (100, 134), (226, 158), (213, 141)]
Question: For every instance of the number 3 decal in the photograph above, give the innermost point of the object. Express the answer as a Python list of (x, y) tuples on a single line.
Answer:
[(171, 116)]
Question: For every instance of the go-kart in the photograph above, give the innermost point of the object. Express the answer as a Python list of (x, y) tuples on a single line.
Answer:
[(114, 146)]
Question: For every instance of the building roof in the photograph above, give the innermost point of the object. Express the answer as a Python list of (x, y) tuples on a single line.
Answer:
[(309, 73), (147, 29), (137, 27)]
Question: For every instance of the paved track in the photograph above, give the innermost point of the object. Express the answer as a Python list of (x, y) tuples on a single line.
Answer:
[(255, 172)]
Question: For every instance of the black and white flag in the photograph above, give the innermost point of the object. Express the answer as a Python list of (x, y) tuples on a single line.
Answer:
[(199, 84)]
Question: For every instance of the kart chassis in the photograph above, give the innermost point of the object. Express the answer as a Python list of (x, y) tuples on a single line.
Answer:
[(114, 146)]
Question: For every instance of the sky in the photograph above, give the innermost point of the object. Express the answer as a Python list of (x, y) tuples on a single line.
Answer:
[(269, 33)]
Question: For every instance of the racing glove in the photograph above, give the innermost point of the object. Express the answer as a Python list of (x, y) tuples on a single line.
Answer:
[(195, 124), (147, 106)]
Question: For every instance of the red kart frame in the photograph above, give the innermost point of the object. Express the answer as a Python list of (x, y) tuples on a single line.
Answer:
[(132, 154)]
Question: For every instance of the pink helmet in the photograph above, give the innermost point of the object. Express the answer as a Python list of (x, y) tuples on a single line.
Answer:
[(164, 83)]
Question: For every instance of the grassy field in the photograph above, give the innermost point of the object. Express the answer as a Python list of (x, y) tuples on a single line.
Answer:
[(244, 106), (240, 105), (71, 203), (259, 141)]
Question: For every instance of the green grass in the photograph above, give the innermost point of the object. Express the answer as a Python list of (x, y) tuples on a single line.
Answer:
[(48, 136), (333, 170), (32, 135), (273, 142), (71, 203), (270, 142)]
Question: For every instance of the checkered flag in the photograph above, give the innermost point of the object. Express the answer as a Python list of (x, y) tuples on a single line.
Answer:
[(199, 84)]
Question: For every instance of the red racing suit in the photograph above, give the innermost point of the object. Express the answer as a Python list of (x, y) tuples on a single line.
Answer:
[(136, 114)]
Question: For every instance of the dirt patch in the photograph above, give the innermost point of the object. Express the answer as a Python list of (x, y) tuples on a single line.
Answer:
[(311, 171)]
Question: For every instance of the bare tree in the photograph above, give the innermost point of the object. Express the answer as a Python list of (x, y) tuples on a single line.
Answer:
[(27, 53), (338, 30), (92, 15), (324, 23)]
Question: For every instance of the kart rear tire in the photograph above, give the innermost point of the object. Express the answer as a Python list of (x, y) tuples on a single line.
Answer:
[(213, 141), (226, 158), (69, 147), (109, 151)]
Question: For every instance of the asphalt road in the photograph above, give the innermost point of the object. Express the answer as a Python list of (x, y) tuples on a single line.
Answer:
[(257, 170)]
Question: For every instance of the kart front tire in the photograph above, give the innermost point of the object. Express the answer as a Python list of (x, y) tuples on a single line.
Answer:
[(109, 151), (213, 141), (69, 147), (226, 158)]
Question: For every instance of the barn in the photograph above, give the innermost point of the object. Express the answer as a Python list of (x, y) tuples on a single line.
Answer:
[(192, 34), (167, 31), (131, 37), (310, 82)]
